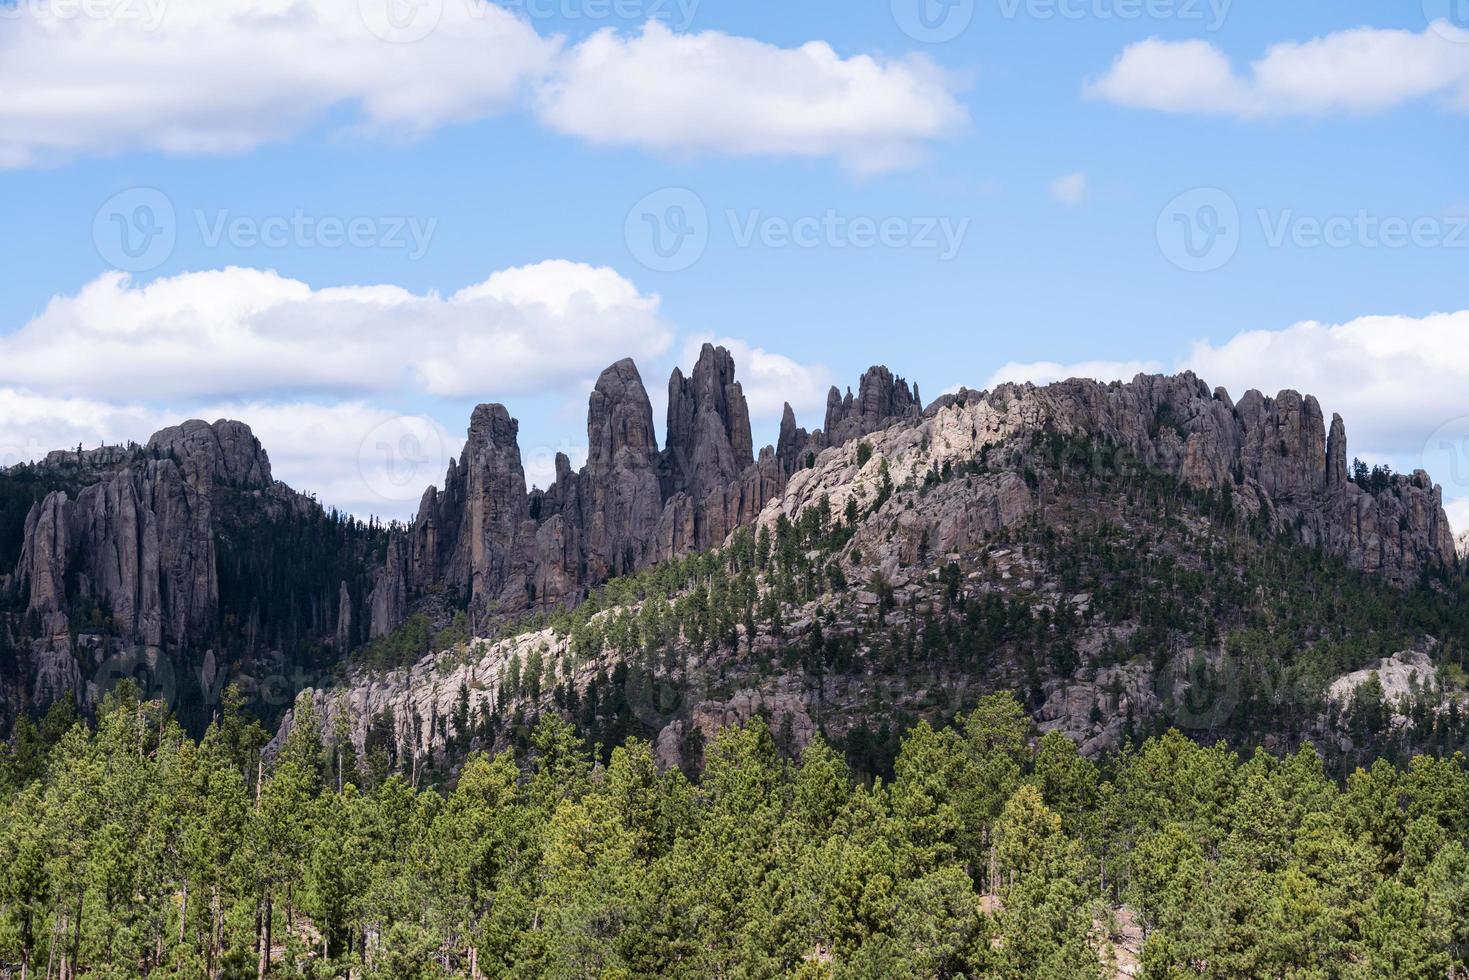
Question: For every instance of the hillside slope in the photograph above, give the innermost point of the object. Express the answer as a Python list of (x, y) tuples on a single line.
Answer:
[(1129, 555)]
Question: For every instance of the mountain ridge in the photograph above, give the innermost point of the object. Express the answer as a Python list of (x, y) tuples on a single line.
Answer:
[(139, 540)]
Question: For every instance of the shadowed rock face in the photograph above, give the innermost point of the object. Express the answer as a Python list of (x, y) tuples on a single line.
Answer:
[(794, 443), (709, 441), (629, 506), (139, 540), (880, 398), (136, 543)]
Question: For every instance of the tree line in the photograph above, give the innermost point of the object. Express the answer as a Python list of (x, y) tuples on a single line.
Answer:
[(994, 851)]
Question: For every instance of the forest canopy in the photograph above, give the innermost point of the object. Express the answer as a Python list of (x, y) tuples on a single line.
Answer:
[(994, 851)]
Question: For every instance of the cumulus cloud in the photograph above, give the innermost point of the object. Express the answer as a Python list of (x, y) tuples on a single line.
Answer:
[(716, 93), (1458, 513), (31, 425), (1068, 189), (1397, 381), (229, 75), (351, 455), (1365, 70), (224, 76), (320, 375), (242, 331), (1048, 372), (769, 380)]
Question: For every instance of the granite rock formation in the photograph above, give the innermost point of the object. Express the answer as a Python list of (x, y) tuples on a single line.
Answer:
[(945, 500), (1274, 456), (880, 399), (128, 559), (632, 504)]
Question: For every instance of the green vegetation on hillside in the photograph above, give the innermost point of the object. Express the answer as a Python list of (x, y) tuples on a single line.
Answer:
[(132, 850)]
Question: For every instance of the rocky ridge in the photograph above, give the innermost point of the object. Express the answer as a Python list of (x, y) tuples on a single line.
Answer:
[(502, 549), (125, 563), (1273, 460), (1274, 456)]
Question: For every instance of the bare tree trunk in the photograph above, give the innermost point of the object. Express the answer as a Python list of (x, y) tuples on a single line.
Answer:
[(27, 944), (212, 957), (57, 928), (76, 935), (264, 962)]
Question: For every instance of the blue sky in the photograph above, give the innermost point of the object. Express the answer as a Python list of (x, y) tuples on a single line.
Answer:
[(1006, 203)]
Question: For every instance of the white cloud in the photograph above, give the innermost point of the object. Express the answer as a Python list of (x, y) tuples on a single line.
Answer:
[(1365, 70), (362, 458), (769, 380), (225, 76), (715, 93), (335, 451), (1069, 189), (32, 425), (1394, 379), (1458, 513), (1397, 381), (317, 373), (1048, 372), (242, 332)]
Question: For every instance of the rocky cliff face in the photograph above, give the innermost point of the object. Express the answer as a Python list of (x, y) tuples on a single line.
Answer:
[(136, 547), (709, 441), (880, 398), (1274, 456), (484, 539), (127, 561), (502, 550), (998, 539)]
